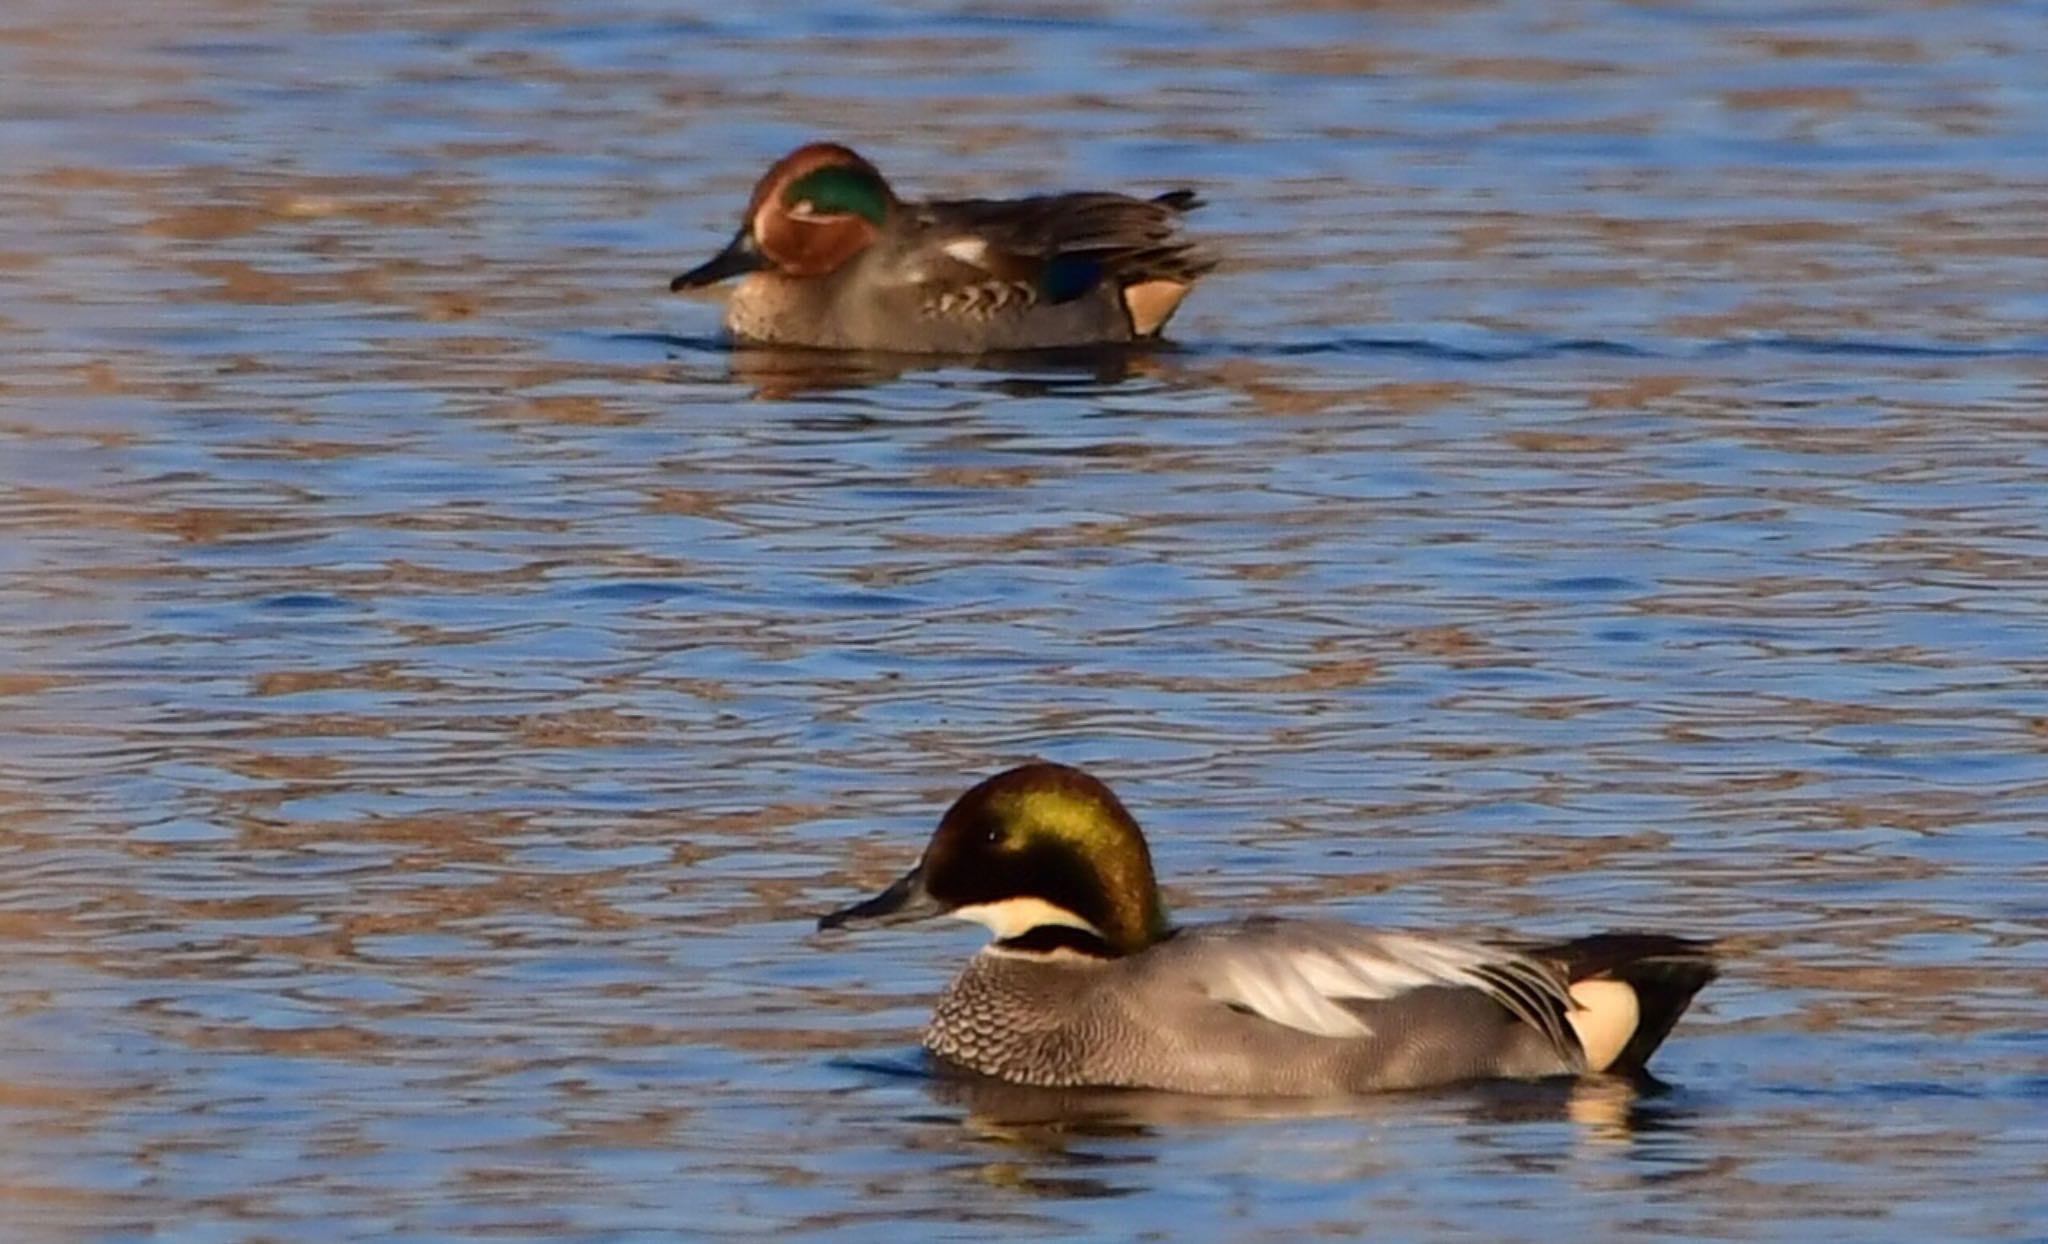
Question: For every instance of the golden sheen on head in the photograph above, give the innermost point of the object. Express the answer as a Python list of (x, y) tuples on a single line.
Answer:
[(1049, 832)]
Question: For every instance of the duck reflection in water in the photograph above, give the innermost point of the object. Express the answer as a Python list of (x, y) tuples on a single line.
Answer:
[(1071, 1144), (1607, 1110), (777, 372)]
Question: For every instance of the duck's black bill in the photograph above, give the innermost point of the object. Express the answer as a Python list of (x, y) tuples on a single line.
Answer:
[(904, 901), (739, 257)]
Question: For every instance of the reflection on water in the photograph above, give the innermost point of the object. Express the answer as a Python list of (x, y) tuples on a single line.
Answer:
[(772, 372), (1050, 1154), (1605, 1109), (1602, 488)]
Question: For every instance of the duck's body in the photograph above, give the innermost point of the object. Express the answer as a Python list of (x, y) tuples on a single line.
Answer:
[(1265, 1007), (1087, 986), (832, 259)]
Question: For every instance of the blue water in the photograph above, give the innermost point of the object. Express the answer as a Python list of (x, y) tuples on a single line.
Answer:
[(1604, 487)]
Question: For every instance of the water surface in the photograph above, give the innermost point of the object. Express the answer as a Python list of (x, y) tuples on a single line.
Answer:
[(441, 684)]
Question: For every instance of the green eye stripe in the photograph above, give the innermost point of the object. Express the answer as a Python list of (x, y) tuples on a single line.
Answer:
[(839, 191)]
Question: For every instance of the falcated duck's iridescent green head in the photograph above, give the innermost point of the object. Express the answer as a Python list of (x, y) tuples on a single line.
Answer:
[(1044, 855)]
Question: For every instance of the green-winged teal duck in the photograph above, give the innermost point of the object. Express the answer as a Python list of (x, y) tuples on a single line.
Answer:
[(833, 259), (1087, 984)]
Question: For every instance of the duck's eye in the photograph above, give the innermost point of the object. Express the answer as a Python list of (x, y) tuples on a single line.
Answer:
[(993, 835)]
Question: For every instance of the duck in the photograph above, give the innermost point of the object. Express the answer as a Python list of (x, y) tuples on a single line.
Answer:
[(1087, 984), (831, 258)]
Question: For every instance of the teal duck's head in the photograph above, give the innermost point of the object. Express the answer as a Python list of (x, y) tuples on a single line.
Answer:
[(1044, 855), (818, 207)]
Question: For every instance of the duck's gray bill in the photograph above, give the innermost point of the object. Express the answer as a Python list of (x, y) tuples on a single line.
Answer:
[(906, 900), (739, 257)]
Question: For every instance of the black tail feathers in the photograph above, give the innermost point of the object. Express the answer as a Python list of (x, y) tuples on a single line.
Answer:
[(1179, 200), (1664, 971)]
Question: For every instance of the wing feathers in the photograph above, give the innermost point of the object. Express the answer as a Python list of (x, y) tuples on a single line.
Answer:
[(1300, 973), (1111, 237)]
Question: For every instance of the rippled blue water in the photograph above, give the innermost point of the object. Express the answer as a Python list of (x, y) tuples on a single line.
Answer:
[(441, 683)]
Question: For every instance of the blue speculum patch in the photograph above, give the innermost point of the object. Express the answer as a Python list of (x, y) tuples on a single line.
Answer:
[(1068, 277)]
